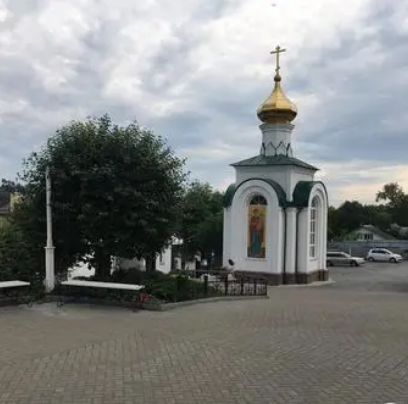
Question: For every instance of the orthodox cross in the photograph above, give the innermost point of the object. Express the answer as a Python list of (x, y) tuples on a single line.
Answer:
[(276, 52)]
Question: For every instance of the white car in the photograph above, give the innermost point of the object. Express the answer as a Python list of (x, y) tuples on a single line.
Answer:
[(382, 254)]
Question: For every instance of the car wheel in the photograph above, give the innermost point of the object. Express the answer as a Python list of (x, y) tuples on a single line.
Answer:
[(353, 263), (329, 263), (371, 259), (393, 260)]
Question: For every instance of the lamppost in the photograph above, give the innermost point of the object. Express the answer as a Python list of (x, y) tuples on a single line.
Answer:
[(49, 249)]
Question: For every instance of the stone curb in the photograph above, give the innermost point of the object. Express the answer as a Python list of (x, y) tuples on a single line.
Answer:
[(10, 302), (154, 306), (170, 306), (85, 300), (310, 285)]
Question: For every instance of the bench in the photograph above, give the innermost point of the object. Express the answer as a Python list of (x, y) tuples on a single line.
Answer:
[(11, 289), (101, 285)]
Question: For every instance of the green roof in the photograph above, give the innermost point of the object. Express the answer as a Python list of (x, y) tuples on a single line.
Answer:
[(277, 160), (302, 191), (280, 193), (229, 195)]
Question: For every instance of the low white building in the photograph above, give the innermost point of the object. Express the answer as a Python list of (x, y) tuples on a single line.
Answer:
[(369, 232), (275, 214), (163, 263)]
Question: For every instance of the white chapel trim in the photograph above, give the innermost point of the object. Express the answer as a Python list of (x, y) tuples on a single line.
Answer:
[(314, 227)]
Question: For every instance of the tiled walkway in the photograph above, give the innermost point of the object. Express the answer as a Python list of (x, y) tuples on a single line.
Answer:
[(346, 343)]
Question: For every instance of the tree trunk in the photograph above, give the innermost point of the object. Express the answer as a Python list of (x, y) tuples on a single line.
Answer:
[(102, 265), (151, 262)]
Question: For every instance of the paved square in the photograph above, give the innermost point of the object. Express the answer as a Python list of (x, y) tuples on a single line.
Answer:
[(343, 343)]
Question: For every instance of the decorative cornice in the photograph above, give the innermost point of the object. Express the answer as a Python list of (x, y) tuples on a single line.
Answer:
[(282, 145)]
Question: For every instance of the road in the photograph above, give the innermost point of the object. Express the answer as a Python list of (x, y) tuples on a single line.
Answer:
[(380, 277)]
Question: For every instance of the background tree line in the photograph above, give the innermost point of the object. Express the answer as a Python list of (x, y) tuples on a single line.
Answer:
[(392, 209)]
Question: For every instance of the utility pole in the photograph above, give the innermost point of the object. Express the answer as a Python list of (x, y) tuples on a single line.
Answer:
[(49, 249)]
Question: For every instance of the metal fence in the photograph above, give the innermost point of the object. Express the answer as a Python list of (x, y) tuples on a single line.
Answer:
[(233, 287), (361, 248)]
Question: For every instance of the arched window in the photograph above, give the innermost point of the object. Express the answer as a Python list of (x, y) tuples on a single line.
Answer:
[(257, 227), (314, 227)]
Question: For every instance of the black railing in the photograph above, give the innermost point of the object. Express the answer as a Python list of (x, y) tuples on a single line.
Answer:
[(224, 286)]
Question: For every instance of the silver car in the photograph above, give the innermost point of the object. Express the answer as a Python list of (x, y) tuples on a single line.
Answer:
[(382, 254), (344, 259)]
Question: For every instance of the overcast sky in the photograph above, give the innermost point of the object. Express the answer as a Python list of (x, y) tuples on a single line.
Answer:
[(195, 72)]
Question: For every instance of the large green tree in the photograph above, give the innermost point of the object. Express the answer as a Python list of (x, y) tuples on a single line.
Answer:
[(115, 192), (396, 201), (392, 194), (201, 220)]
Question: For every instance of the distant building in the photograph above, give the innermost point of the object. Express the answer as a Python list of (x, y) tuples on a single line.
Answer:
[(369, 232), (7, 208)]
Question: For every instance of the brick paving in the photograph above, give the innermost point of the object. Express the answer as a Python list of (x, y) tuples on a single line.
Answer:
[(343, 343)]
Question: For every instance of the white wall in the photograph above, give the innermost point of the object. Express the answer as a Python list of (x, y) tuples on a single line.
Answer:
[(318, 263), (163, 264), (294, 176), (226, 240), (190, 265), (266, 172), (303, 241), (286, 176), (163, 261), (305, 263), (276, 139), (238, 231)]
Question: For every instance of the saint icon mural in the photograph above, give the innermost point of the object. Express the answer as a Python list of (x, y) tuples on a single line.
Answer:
[(256, 227)]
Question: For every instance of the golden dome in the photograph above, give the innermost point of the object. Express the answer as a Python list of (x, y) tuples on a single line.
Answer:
[(277, 108)]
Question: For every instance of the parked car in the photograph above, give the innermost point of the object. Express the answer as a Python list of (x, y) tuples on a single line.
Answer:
[(342, 258), (382, 254)]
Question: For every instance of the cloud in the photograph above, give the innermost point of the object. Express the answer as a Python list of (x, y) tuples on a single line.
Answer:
[(195, 72)]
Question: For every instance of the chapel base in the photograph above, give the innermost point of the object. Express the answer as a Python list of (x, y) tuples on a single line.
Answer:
[(286, 279)]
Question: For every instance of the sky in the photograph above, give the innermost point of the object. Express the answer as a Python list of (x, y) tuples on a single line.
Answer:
[(195, 72)]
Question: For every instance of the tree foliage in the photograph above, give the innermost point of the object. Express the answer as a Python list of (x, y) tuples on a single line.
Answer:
[(392, 194), (15, 256), (115, 191), (7, 188), (201, 220), (396, 202)]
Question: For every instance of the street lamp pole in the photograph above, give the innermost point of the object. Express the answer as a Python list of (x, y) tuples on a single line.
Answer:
[(49, 249)]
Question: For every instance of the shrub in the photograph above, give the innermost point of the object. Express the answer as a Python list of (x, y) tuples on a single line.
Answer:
[(14, 256), (164, 287), (15, 262)]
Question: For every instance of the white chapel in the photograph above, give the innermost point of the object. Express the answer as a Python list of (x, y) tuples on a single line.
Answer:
[(275, 214)]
